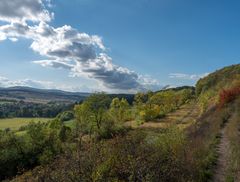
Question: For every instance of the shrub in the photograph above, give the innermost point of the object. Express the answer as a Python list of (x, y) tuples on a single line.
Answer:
[(228, 95), (64, 133), (66, 116)]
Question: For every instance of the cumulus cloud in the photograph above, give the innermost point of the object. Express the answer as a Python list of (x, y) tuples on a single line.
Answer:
[(187, 76), (149, 83), (102, 69), (65, 47), (13, 31), (24, 10)]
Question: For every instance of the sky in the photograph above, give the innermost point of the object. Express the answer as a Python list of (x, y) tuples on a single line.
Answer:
[(115, 45)]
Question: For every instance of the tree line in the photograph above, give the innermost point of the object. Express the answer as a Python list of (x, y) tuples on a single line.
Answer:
[(28, 109)]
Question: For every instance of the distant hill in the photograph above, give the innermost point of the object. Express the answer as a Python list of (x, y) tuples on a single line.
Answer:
[(28, 94)]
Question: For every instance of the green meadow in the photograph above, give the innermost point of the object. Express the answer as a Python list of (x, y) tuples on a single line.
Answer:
[(16, 123)]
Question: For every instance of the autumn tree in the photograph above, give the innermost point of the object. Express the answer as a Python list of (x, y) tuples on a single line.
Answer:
[(119, 109), (228, 95)]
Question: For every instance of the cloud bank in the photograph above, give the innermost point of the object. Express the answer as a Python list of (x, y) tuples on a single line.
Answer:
[(6, 82), (64, 47)]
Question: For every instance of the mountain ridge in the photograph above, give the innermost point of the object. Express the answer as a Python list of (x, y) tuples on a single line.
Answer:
[(36, 95)]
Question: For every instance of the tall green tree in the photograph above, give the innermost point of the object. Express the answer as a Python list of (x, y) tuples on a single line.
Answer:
[(93, 111)]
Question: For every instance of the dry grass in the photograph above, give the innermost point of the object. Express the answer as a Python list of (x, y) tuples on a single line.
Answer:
[(183, 117), (233, 133)]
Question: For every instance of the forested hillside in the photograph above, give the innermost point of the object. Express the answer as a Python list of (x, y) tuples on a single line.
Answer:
[(31, 102)]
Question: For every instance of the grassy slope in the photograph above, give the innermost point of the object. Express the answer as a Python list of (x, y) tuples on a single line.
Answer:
[(233, 134), (183, 117), (208, 88)]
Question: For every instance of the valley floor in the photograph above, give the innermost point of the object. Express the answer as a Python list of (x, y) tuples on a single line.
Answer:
[(15, 123)]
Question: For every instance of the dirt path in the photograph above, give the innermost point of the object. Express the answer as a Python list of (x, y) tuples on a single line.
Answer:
[(223, 156), (184, 116)]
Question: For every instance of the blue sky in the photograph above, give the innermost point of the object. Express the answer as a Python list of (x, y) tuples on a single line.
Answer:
[(169, 41)]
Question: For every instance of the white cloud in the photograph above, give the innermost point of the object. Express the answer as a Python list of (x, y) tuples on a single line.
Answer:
[(65, 47), (24, 10), (13, 39), (149, 83), (5, 82), (184, 76), (54, 64), (3, 79)]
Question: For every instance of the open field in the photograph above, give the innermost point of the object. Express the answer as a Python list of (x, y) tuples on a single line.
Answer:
[(16, 123), (70, 123)]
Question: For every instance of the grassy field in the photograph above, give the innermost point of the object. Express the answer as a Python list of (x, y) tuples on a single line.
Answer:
[(16, 123), (70, 123)]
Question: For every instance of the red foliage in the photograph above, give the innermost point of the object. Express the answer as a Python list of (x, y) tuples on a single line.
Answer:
[(228, 95)]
